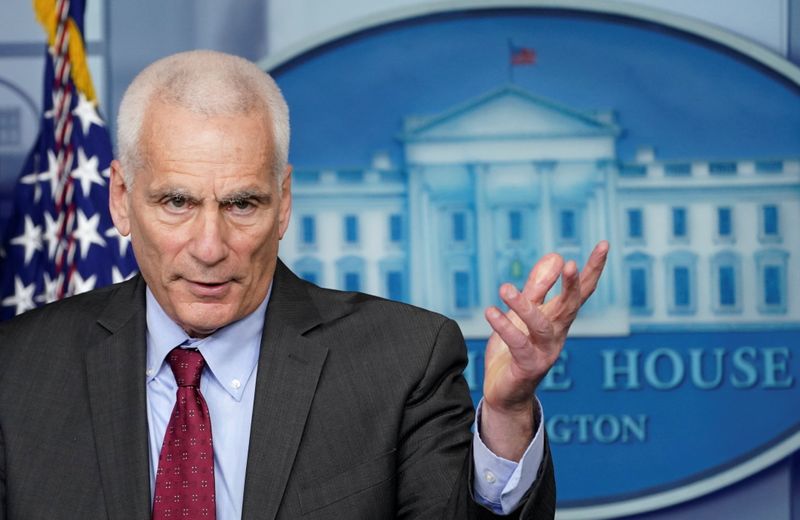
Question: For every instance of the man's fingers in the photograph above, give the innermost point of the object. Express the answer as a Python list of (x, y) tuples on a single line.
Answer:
[(570, 300), (528, 319), (536, 324), (542, 277), (508, 332), (592, 270)]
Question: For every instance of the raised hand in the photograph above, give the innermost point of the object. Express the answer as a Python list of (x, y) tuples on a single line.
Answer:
[(526, 342)]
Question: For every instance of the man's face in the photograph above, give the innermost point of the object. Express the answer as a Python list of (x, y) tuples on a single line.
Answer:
[(205, 214)]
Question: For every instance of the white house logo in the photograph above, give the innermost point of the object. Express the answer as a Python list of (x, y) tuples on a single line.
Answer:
[(694, 327)]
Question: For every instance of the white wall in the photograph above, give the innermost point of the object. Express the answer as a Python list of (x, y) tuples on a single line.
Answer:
[(293, 21)]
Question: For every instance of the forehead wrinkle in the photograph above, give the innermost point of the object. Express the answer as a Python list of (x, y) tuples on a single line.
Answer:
[(214, 159), (218, 172), (218, 152), (210, 152)]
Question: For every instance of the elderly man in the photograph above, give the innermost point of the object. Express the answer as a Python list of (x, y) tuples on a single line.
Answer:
[(219, 385)]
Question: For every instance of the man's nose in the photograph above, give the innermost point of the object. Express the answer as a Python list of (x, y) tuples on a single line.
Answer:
[(208, 244)]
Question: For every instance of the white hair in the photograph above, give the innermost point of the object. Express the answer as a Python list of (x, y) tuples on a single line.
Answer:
[(205, 82)]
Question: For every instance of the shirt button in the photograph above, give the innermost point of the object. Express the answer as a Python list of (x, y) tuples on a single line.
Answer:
[(150, 372), (236, 384), (489, 476)]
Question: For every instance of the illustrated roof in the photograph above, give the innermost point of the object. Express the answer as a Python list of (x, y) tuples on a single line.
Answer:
[(509, 111)]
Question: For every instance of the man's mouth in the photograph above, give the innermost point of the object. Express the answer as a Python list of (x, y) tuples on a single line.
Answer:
[(209, 288)]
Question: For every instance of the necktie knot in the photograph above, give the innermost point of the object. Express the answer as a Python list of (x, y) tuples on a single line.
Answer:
[(187, 365)]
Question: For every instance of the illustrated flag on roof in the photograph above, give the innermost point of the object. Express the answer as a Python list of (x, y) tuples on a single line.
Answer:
[(522, 55), (60, 239)]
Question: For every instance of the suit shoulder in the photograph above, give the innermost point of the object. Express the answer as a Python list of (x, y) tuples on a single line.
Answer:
[(57, 335), (63, 316), (391, 333), (380, 310)]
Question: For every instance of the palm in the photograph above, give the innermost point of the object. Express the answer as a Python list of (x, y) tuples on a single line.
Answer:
[(528, 339)]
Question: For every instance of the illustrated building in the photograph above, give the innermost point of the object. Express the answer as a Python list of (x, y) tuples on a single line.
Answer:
[(489, 186)]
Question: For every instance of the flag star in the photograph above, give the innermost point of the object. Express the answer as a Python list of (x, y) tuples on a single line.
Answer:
[(117, 277), (86, 232), (87, 112), (106, 173), (51, 226), (30, 239), (80, 285), (23, 296), (122, 241), (33, 178), (50, 292), (87, 172), (51, 174)]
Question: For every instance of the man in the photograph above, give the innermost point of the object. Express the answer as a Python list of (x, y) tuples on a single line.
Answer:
[(322, 404)]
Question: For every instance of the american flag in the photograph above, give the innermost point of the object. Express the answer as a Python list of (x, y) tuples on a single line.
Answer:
[(522, 55), (60, 239)]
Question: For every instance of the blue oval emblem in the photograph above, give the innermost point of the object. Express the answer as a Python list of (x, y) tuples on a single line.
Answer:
[(438, 156)]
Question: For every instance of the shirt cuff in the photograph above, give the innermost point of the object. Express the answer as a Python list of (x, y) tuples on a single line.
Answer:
[(499, 484)]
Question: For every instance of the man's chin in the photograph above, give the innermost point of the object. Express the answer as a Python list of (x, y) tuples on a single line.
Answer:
[(210, 318)]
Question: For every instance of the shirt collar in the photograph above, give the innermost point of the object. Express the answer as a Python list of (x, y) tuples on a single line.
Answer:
[(231, 353)]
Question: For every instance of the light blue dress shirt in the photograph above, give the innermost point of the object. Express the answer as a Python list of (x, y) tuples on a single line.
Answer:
[(228, 386), (499, 483)]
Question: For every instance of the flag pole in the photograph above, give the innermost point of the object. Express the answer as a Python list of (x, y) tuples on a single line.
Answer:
[(510, 63)]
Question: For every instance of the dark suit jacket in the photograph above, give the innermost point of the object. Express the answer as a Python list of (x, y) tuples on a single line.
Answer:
[(360, 411)]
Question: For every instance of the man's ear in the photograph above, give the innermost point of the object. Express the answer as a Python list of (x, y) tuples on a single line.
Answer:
[(118, 199), (285, 209)]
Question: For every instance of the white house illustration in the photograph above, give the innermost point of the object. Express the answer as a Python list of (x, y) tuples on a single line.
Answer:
[(489, 186)]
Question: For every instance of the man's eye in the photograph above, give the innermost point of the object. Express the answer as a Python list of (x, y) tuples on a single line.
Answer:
[(177, 202), (240, 205)]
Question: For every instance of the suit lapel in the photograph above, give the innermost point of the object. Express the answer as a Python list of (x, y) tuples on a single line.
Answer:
[(115, 372), (289, 367)]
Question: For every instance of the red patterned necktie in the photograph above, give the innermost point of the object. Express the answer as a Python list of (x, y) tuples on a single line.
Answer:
[(185, 476)]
